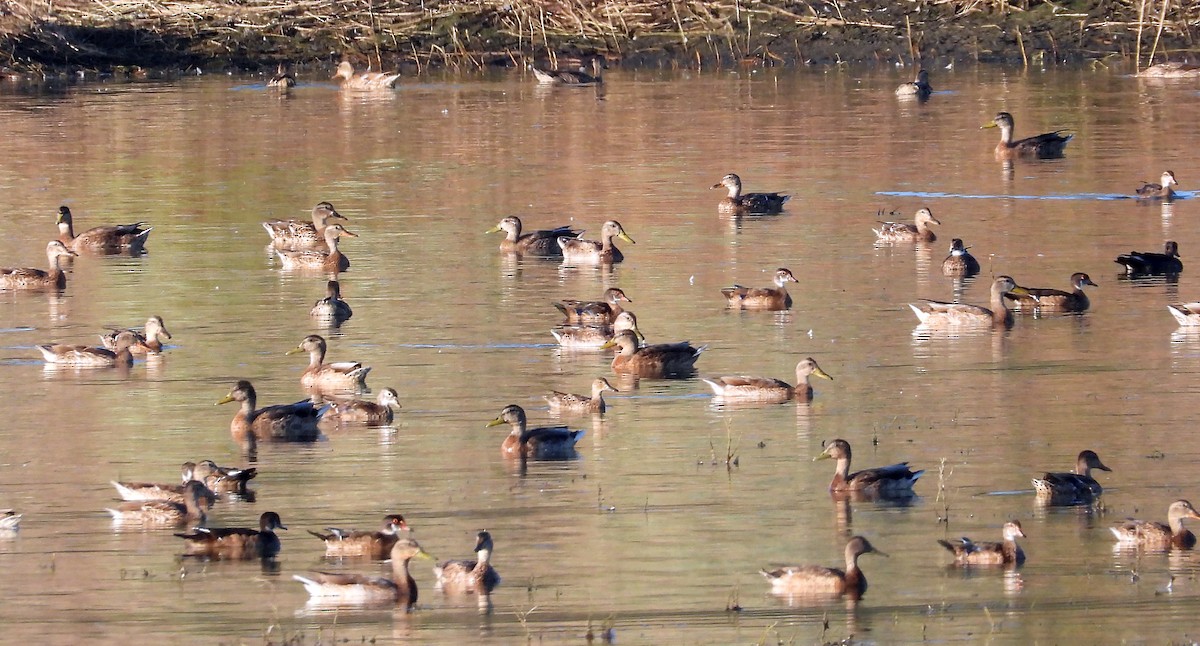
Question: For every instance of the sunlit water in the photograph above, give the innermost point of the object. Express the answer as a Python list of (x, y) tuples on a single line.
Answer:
[(648, 531)]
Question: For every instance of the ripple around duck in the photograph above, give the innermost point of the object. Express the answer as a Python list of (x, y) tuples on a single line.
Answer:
[(1108, 197)]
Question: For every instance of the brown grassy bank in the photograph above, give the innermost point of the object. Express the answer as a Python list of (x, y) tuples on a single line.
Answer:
[(250, 34)]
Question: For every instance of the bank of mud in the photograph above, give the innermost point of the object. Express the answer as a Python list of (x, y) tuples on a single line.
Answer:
[(73, 36)]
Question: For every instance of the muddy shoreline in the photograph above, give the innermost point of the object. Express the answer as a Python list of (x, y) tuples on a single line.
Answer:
[(79, 36)]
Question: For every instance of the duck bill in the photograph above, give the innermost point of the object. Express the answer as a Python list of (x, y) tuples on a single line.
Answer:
[(422, 554), (495, 422), (1100, 465), (224, 400), (165, 333), (295, 350), (611, 343), (823, 456), (638, 333), (1020, 291), (493, 229), (988, 125), (879, 552), (822, 374), (717, 185), (625, 237), (346, 232)]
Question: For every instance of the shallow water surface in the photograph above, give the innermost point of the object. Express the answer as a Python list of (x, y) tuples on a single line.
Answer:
[(648, 532)]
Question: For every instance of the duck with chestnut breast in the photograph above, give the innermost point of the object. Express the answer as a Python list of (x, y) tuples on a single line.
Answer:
[(960, 263), (147, 341), (1149, 263), (738, 203), (225, 479), (573, 78), (1155, 535), (818, 581), (762, 298), (332, 309), (541, 443), (540, 243), (361, 411), (603, 312), (1049, 145), (570, 403), (1186, 314), (938, 314), (332, 262), (340, 588), (467, 576), (1007, 552), (120, 238), (919, 87), (1054, 300), (83, 356), (342, 375), (659, 361), (1073, 487), (357, 543), (892, 480), (918, 231), (352, 80), (297, 235), (235, 543), (288, 422), (137, 491), (594, 337), (29, 278), (576, 251), (1161, 191), (766, 389), (164, 513)]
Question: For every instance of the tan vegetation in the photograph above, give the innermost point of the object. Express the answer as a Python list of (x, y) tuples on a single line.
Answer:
[(254, 33)]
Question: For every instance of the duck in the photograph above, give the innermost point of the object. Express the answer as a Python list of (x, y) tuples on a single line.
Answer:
[(146, 342), (892, 480), (1171, 70), (766, 389), (10, 521), (762, 298), (815, 580), (1160, 191), (595, 336), (542, 242), (1055, 300), (1186, 314), (576, 78), (375, 545), (960, 263), (235, 543), (282, 80), (1049, 145), (224, 479), (738, 203), (296, 235), (919, 231), (332, 308), (158, 491), (343, 375), (289, 422), (1077, 486), (561, 402), (121, 238), (364, 80), (29, 278), (361, 411), (658, 361), (332, 262), (1147, 263), (602, 312), (1154, 535), (359, 589), (941, 314), (968, 552), (163, 513), (541, 443), (576, 251), (466, 576), (83, 356), (919, 87)]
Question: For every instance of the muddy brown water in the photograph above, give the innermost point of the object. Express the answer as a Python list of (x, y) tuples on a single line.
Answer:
[(642, 532)]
